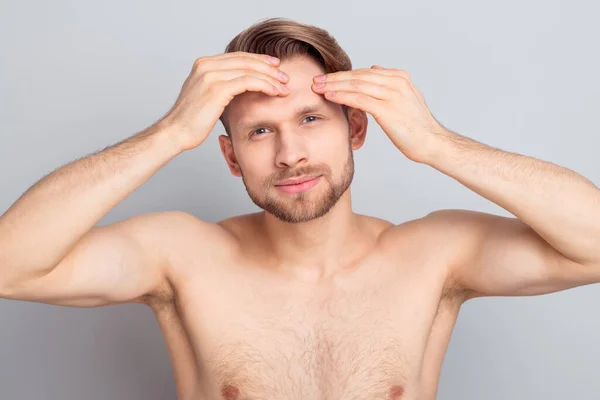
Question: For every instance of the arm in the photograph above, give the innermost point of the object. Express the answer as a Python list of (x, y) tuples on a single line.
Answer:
[(554, 242), (551, 245), (49, 247), (128, 261)]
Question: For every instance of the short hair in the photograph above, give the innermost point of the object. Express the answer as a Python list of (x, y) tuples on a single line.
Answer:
[(286, 39)]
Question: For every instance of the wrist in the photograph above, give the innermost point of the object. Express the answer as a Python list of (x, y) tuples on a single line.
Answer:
[(435, 146), (448, 146), (170, 135)]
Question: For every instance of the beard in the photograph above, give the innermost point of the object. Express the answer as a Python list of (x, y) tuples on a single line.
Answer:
[(304, 206)]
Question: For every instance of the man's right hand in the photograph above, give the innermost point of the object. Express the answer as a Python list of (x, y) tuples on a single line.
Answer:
[(211, 85)]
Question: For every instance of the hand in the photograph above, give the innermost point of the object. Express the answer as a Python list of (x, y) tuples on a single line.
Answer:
[(392, 99), (213, 82)]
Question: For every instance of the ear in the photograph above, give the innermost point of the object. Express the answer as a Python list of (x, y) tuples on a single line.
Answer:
[(229, 154), (358, 122)]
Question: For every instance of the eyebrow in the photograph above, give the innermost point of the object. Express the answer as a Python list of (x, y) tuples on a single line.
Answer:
[(306, 109)]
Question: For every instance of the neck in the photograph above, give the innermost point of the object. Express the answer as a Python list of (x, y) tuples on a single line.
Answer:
[(317, 248)]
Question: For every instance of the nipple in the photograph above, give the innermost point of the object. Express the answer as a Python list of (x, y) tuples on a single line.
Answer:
[(396, 392), (230, 392)]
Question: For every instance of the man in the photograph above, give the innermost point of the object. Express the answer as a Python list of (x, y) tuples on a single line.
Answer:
[(307, 299)]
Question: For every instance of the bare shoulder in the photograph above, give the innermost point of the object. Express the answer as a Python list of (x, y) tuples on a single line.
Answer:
[(185, 242), (444, 228), (398, 234), (440, 238), (179, 228), (191, 236)]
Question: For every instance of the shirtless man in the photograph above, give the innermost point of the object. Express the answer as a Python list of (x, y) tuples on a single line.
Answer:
[(307, 299)]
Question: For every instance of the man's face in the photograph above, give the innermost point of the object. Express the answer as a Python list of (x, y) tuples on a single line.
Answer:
[(273, 141)]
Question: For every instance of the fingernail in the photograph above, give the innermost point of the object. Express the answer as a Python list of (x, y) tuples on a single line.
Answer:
[(319, 78), (283, 75)]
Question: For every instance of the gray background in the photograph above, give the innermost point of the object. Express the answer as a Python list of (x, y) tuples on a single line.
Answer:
[(78, 76)]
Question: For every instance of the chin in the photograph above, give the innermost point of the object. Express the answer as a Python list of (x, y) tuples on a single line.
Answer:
[(292, 211), (295, 217)]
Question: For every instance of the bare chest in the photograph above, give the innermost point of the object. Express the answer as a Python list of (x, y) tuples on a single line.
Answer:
[(363, 338)]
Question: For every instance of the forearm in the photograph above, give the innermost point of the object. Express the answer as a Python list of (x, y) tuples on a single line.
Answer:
[(38, 230), (560, 205)]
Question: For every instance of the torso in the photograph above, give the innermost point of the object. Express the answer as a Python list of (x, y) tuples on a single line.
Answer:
[(379, 330)]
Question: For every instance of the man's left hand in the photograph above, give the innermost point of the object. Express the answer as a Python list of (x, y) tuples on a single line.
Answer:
[(392, 99)]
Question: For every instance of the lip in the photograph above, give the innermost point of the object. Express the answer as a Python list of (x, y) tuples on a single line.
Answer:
[(304, 186), (296, 181)]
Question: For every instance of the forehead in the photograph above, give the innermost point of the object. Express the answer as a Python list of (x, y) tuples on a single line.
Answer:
[(249, 105)]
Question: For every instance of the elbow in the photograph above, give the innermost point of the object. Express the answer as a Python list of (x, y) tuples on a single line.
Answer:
[(11, 284), (4, 280), (7, 279), (16, 275), (8, 282), (6, 287)]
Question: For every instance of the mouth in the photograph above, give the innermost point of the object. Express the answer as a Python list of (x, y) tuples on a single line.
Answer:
[(295, 181), (300, 185)]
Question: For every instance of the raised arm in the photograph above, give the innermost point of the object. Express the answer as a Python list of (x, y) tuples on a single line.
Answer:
[(49, 236), (50, 249)]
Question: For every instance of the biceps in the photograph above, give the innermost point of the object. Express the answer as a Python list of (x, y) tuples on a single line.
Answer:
[(110, 264), (505, 257), (512, 261)]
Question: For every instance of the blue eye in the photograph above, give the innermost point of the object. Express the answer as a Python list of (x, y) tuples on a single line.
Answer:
[(257, 131), (254, 133)]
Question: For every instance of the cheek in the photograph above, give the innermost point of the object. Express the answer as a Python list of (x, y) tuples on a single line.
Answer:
[(256, 170), (331, 147)]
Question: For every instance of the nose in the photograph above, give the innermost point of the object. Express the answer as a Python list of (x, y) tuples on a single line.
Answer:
[(291, 150)]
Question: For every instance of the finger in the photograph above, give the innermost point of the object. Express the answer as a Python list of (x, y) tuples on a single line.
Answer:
[(248, 83), (385, 77), (356, 100), (243, 62), (227, 75), (355, 86), (252, 64), (388, 70), (378, 76), (400, 79), (364, 74), (342, 75), (260, 57)]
